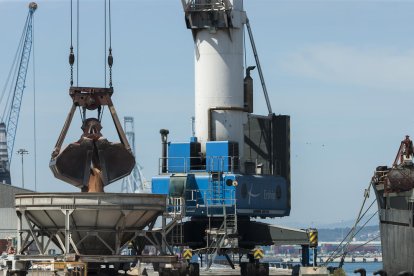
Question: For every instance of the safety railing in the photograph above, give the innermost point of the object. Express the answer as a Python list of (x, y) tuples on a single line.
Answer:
[(206, 5), (180, 164), (229, 164), (204, 199), (176, 207), (223, 164)]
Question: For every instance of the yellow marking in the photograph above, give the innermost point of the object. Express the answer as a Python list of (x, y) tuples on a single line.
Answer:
[(313, 239), (188, 254), (258, 254)]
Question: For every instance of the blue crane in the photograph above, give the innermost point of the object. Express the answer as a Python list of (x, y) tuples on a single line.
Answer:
[(10, 117)]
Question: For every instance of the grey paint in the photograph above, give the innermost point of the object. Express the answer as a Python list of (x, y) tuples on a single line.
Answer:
[(8, 217), (8, 223), (397, 241), (7, 193), (93, 219), (285, 236)]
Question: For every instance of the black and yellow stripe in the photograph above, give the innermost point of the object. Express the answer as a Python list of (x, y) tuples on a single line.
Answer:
[(188, 254), (313, 238), (258, 253)]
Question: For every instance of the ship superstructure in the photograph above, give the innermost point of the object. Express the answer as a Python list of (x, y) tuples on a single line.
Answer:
[(394, 189)]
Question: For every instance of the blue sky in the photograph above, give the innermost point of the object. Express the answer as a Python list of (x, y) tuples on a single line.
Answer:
[(343, 71)]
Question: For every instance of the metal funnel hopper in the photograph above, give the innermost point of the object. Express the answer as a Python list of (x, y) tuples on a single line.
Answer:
[(87, 223)]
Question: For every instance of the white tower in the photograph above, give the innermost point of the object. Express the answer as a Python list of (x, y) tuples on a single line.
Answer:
[(135, 182), (217, 28)]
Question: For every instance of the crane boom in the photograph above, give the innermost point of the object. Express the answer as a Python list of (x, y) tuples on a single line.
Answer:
[(13, 116)]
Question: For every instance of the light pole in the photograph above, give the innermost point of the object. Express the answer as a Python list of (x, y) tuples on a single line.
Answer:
[(22, 152)]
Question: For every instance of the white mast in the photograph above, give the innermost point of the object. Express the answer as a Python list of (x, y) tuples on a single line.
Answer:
[(219, 72)]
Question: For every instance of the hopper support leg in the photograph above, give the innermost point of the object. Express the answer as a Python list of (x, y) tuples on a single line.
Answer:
[(67, 230), (19, 232), (163, 234)]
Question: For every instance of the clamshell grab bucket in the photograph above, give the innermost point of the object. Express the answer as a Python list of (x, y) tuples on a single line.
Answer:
[(115, 161), (74, 163), (92, 162)]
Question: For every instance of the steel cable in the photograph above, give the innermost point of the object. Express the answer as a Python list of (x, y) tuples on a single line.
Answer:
[(34, 108), (77, 45), (13, 69), (359, 218)]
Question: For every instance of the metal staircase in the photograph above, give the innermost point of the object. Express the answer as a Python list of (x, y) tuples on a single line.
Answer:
[(176, 213), (217, 238), (226, 236), (177, 234), (231, 224)]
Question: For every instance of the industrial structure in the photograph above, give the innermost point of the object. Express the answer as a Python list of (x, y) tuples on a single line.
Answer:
[(394, 187), (13, 101), (8, 211), (235, 168), (135, 182), (89, 231)]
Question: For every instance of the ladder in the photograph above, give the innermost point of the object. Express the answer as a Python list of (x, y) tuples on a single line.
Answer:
[(231, 224), (176, 212), (216, 187), (177, 234)]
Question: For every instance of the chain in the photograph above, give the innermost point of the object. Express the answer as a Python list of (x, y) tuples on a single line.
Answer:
[(71, 62), (110, 57), (110, 62), (71, 54)]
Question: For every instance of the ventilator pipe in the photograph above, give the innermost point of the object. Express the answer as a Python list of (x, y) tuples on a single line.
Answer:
[(164, 138), (248, 90)]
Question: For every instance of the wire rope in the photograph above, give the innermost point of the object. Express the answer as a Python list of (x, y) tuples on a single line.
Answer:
[(105, 44), (359, 218), (34, 107), (110, 57), (13, 65), (77, 44), (13, 70), (344, 252)]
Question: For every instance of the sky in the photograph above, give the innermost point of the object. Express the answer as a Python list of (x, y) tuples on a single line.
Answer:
[(343, 71)]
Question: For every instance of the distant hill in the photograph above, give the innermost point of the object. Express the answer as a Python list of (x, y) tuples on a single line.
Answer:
[(350, 223), (338, 234), (335, 231)]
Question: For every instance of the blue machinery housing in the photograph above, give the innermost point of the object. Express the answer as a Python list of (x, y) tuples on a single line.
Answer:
[(219, 183)]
